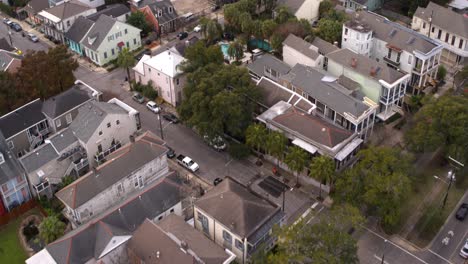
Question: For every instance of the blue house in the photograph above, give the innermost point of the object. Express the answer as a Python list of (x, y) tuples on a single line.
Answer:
[(76, 33), (14, 188)]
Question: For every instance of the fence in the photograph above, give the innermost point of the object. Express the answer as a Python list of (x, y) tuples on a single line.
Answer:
[(18, 211)]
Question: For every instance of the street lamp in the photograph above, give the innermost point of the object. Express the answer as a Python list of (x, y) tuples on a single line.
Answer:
[(451, 177), (383, 253)]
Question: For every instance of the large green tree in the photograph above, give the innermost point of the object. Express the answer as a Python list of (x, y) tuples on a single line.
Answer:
[(378, 183), (236, 50), (51, 228), (276, 143), (138, 20), (199, 55), (441, 122), (9, 95), (256, 136), (330, 30), (296, 159), (125, 60), (322, 168)]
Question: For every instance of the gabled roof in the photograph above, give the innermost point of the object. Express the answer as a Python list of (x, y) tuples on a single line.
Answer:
[(39, 157), (324, 47), (115, 10), (98, 32), (79, 29), (444, 18), (390, 32), (63, 139), (36, 6), (65, 101), (21, 118), (292, 5), (9, 61), (9, 168), (365, 66), (67, 9), (264, 61), (120, 164), (238, 209), (90, 116), (164, 5), (302, 46), (166, 62)]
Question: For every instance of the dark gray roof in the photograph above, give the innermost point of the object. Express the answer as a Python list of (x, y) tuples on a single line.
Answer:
[(68, 9), (64, 102), (88, 241), (21, 118), (115, 10), (90, 116), (120, 164), (163, 5), (36, 6), (262, 231), (238, 209), (444, 18), (324, 47), (98, 32), (292, 5), (365, 66), (329, 93), (63, 139), (270, 61), (181, 46), (10, 168), (38, 158), (392, 33), (79, 29), (5, 45), (301, 46)]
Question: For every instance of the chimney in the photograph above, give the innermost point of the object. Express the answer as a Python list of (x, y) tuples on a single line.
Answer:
[(353, 62), (184, 246), (132, 138), (372, 71)]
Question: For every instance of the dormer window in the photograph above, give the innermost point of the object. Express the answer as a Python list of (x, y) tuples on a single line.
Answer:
[(170, 10), (159, 13), (2, 159), (91, 40)]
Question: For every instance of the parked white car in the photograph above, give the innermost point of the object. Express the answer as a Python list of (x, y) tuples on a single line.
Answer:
[(197, 28), (464, 250), (153, 107)]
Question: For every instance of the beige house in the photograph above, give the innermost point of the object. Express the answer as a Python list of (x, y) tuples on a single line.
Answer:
[(163, 72), (237, 219)]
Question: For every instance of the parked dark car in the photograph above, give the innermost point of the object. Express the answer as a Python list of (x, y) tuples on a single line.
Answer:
[(170, 153), (215, 7), (182, 35), (140, 54), (217, 181), (462, 212), (16, 27), (171, 118)]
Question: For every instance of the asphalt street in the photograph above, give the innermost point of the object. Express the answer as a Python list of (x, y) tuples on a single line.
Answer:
[(20, 42)]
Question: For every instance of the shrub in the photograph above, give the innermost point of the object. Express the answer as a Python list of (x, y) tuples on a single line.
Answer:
[(30, 231), (6, 9), (441, 73), (239, 151)]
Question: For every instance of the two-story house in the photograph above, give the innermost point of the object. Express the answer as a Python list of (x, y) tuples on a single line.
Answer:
[(375, 36), (370, 5), (25, 128), (447, 28), (267, 65), (106, 239), (237, 219), (13, 184), (107, 37), (33, 8), (127, 171), (102, 127), (164, 74), (297, 50), (58, 19), (118, 11), (160, 14), (377, 81), (303, 9)]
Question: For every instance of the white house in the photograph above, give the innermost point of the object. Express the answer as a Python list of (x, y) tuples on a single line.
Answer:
[(401, 48), (447, 28), (163, 72), (297, 50), (303, 9)]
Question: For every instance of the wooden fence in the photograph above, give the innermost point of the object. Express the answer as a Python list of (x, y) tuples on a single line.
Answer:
[(18, 211)]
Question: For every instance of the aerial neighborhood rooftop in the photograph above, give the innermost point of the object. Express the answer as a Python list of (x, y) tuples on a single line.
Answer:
[(233, 131)]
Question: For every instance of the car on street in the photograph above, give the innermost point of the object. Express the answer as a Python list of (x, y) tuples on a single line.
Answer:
[(217, 181), (464, 250), (171, 118), (187, 162), (170, 153), (153, 107), (7, 21), (32, 37), (197, 28), (16, 27), (462, 212), (182, 35), (138, 98), (216, 142)]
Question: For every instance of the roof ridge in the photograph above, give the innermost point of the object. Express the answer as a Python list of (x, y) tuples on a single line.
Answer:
[(106, 228)]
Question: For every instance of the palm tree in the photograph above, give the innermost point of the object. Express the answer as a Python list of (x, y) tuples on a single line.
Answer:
[(276, 145), (296, 159), (51, 228), (213, 31), (125, 61), (236, 50), (322, 168), (255, 136)]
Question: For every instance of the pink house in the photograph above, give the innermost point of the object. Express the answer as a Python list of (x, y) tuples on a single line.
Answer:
[(163, 72)]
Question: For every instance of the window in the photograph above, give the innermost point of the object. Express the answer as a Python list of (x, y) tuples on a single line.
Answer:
[(227, 237), (68, 23), (128, 45), (138, 181), (113, 52), (5, 188), (177, 81), (68, 117), (160, 218), (357, 36), (134, 41), (453, 40), (108, 125), (368, 36), (424, 24), (439, 34), (117, 122), (100, 133), (433, 29), (346, 31), (58, 123), (172, 210), (239, 245), (447, 35), (126, 31), (204, 222), (398, 57), (105, 54), (120, 188), (159, 13), (410, 59), (170, 9), (110, 38), (2, 158), (149, 69), (10, 144), (389, 54), (460, 45)]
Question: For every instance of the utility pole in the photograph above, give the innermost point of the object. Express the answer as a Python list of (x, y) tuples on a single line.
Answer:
[(383, 252), (451, 176), (160, 125), (9, 36)]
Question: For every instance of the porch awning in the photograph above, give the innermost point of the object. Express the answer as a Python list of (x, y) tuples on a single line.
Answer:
[(340, 156), (304, 145), (120, 44)]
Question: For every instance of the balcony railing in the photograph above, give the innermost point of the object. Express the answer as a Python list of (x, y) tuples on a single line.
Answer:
[(391, 99), (100, 157), (392, 62)]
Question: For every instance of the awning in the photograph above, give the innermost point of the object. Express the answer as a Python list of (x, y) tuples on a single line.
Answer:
[(304, 145), (348, 149), (120, 44)]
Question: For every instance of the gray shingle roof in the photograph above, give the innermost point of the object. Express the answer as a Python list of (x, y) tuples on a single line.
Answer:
[(38, 158), (10, 168), (88, 241), (21, 118), (236, 208), (444, 18), (98, 32), (310, 80), (164, 5), (115, 10), (68, 9), (36, 6), (5, 45), (270, 61), (390, 32), (90, 116), (64, 102), (324, 47), (63, 139), (301, 45), (79, 29), (127, 159)]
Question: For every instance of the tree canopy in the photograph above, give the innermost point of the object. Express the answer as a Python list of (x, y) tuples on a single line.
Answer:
[(199, 55), (138, 20), (125, 60), (378, 183), (51, 228)]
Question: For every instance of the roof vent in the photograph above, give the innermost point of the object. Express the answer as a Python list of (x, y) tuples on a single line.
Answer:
[(324, 129)]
